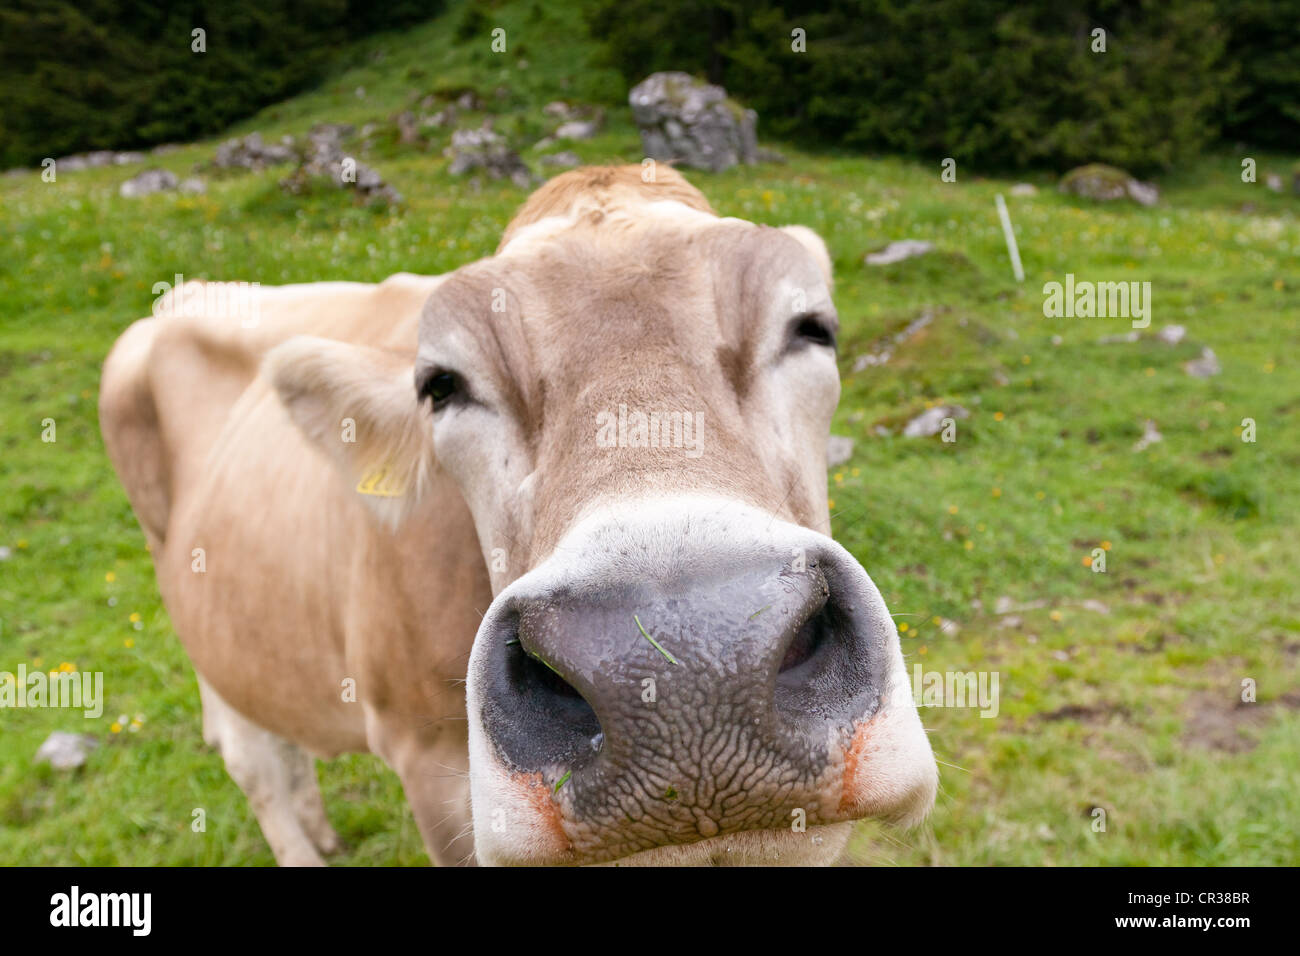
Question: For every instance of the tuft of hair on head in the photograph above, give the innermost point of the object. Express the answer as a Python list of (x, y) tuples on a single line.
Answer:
[(604, 189)]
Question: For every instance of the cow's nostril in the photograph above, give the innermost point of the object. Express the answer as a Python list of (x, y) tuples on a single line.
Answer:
[(536, 717), (535, 671), (807, 641), (826, 667)]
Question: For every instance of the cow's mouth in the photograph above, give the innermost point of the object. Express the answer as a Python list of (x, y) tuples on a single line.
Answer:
[(818, 846)]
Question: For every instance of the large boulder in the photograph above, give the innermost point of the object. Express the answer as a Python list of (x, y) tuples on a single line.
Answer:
[(1104, 183), (693, 122)]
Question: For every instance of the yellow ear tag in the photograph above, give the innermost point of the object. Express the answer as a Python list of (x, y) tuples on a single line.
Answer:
[(381, 483)]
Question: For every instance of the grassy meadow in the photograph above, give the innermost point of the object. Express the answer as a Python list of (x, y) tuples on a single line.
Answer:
[(1118, 690)]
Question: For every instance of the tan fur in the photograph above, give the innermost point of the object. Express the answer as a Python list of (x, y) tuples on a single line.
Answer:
[(229, 440), (597, 191)]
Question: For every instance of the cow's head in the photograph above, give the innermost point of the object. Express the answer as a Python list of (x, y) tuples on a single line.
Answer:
[(633, 396)]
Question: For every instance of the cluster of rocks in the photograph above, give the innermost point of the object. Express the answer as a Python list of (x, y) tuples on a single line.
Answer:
[(576, 123), (1204, 365), (320, 157), (485, 149), (692, 122), (883, 350), (409, 123), (253, 153), (566, 159), (323, 158), (96, 160), (1104, 183), (154, 180)]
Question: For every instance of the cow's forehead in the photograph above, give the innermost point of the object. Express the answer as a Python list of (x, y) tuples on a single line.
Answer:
[(653, 302), (654, 215), (606, 275)]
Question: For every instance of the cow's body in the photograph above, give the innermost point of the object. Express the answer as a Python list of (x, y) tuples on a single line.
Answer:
[(276, 622), (484, 618)]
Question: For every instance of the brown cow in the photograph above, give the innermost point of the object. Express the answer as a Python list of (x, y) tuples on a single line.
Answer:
[(575, 493)]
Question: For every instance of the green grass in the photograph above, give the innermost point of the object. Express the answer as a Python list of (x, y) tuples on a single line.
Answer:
[(1096, 710)]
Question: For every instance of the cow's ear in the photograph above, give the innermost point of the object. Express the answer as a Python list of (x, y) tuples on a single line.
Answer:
[(816, 245), (358, 405)]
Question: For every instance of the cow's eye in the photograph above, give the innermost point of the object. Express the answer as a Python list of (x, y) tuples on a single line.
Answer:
[(439, 387), (813, 328)]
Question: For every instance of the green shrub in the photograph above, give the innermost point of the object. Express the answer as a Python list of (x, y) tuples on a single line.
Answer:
[(1264, 42), (989, 84), (118, 74)]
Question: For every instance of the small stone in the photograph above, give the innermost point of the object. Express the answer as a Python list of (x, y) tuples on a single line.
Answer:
[(565, 160), (64, 751), (408, 131), (148, 182), (1171, 334), (839, 449), (1024, 189), (898, 251), (578, 129), (1123, 337), (1205, 366), (930, 421), (1150, 435), (444, 117), (193, 185), (1142, 193)]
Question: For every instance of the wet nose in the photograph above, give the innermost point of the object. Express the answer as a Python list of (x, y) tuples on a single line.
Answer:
[(663, 711)]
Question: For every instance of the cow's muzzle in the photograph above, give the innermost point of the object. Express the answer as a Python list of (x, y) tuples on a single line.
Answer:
[(655, 700)]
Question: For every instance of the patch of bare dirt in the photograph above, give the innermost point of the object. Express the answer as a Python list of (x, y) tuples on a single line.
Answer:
[(1085, 714), (1219, 721)]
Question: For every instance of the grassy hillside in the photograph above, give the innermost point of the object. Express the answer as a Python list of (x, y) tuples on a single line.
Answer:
[(1119, 690)]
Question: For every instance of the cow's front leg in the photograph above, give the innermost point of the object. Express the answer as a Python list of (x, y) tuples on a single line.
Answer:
[(434, 770), (279, 779)]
